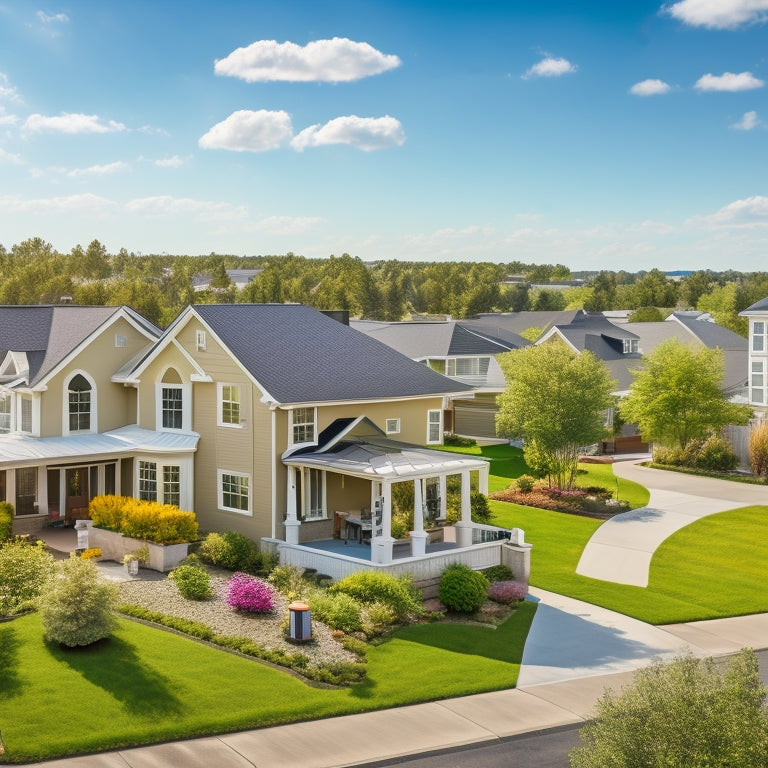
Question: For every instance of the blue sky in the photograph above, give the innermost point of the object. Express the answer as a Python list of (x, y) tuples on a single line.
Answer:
[(620, 134)]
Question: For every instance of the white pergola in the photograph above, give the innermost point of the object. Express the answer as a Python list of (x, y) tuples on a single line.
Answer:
[(369, 455)]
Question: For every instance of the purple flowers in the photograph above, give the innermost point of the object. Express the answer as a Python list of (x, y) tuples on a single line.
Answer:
[(247, 593), (507, 592)]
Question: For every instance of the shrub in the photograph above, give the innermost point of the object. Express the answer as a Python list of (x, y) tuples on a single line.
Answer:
[(462, 589), (91, 553), (230, 550), (525, 483), (380, 615), (107, 511), (6, 521), (337, 610), (24, 570), (77, 607), (247, 593), (758, 449), (457, 440), (288, 580), (716, 455), (498, 573), (402, 522), (398, 593), (507, 592), (193, 583), (146, 520)]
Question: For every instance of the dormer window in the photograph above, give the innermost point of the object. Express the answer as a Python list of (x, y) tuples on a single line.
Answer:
[(79, 397), (173, 402), (631, 346)]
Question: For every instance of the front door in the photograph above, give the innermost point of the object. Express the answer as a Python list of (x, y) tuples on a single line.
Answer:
[(77, 494)]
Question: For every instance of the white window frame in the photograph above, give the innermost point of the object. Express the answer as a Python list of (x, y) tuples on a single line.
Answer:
[(473, 366), (757, 392), (393, 426), (141, 466), (293, 424), (162, 463), (308, 488), (630, 346), (220, 475), (94, 425), (5, 394), (432, 423), (220, 400), (21, 400), (186, 404), (164, 484), (121, 342), (201, 341), (758, 341)]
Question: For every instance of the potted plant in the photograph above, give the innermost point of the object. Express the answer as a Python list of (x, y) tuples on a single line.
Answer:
[(132, 559)]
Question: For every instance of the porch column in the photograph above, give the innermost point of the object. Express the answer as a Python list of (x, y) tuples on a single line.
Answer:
[(381, 546), (464, 526), (443, 485), (483, 482), (418, 536), (42, 490), (292, 521)]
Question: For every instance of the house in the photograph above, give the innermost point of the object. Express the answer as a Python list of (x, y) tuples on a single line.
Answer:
[(239, 278), (757, 362), (64, 434), (463, 353)]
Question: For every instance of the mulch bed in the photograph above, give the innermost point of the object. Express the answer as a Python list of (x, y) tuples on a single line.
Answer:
[(581, 505)]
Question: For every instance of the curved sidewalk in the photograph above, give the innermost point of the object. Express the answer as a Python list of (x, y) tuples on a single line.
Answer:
[(621, 549)]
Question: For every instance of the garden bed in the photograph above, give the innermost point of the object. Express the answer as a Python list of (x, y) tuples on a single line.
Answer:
[(595, 503)]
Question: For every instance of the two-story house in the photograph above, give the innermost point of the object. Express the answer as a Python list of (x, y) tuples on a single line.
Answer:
[(757, 365)]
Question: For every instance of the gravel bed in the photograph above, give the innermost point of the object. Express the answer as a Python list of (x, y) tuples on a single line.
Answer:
[(264, 628)]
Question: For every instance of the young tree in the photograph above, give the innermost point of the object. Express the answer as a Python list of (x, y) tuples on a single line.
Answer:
[(676, 395), (555, 401), (690, 712)]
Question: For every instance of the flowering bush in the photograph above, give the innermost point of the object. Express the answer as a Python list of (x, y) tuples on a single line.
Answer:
[(147, 520), (247, 593), (93, 553), (507, 592)]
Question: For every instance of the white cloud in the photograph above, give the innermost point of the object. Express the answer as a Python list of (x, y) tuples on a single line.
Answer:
[(550, 67), (71, 123), (100, 170), (171, 162), (287, 225), (204, 210), (7, 119), (749, 121), (247, 131), (366, 133), (8, 91), (728, 81), (336, 60), (718, 14), (7, 157), (56, 18), (750, 213), (85, 203), (650, 87)]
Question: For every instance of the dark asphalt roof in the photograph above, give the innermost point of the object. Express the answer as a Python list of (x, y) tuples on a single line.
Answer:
[(300, 355), (758, 306)]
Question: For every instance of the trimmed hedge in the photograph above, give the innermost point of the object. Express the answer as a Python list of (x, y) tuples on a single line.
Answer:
[(145, 520), (6, 520)]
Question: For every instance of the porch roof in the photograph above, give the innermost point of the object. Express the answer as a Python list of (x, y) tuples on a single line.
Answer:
[(357, 447), (17, 450)]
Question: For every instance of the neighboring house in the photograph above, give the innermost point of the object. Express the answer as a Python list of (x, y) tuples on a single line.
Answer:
[(239, 277), (757, 365), (64, 434), (461, 352)]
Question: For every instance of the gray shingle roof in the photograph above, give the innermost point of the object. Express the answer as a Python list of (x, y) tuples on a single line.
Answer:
[(300, 355), (758, 306)]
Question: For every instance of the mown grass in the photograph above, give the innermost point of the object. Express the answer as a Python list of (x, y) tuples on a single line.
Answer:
[(144, 685)]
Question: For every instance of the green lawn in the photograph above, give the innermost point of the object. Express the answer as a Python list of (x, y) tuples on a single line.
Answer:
[(144, 685)]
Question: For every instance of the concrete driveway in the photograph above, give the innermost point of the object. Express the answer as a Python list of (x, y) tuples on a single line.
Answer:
[(621, 549)]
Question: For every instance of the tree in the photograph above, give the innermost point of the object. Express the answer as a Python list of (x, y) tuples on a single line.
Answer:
[(676, 395), (691, 712), (555, 401), (646, 315)]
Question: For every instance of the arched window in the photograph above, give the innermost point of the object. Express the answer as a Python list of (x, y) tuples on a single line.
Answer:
[(172, 400), (79, 393)]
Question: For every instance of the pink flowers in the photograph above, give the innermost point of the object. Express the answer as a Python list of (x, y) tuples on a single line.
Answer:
[(247, 593), (507, 592)]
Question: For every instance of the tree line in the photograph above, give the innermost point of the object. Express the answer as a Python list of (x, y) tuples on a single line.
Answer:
[(160, 285)]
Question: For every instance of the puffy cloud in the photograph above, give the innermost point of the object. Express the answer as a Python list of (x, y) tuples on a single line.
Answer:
[(718, 14), (71, 123), (550, 67), (336, 60), (650, 87), (8, 91), (749, 121), (749, 213), (100, 170), (7, 119), (728, 81), (248, 131), (204, 210), (85, 203), (366, 133)]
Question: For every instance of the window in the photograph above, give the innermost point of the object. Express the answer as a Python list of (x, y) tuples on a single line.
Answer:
[(200, 341), (758, 336), (434, 426), (393, 426), (172, 407), (467, 366), (26, 491), (631, 346), (120, 341), (757, 382), (26, 414), (5, 412), (311, 491), (235, 492), (229, 408), (303, 425), (148, 480), (171, 485), (79, 396)]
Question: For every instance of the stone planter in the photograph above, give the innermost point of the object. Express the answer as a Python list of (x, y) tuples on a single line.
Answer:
[(114, 546)]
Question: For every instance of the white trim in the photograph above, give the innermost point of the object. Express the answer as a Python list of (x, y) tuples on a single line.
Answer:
[(467, 393), (430, 423), (396, 430), (94, 420), (306, 486), (186, 401), (220, 405), (220, 491), (201, 340), (291, 442), (556, 331)]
